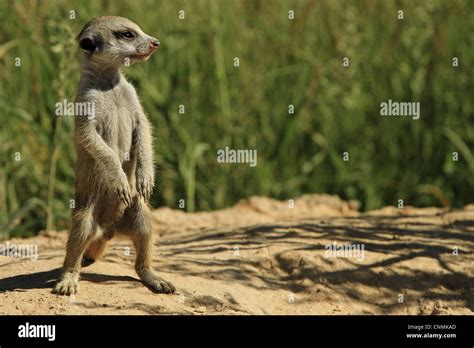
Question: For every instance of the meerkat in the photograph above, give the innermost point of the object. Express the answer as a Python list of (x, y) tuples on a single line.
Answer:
[(114, 167)]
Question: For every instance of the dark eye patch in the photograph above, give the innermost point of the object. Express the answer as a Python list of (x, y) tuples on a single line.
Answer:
[(125, 34)]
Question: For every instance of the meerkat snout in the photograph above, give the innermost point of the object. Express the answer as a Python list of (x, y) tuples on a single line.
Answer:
[(154, 44), (115, 41)]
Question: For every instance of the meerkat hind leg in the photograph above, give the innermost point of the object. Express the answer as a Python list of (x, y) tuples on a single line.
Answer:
[(94, 251), (82, 231), (141, 233)]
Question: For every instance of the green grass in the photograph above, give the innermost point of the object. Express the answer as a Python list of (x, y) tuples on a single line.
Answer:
[(282, 62)]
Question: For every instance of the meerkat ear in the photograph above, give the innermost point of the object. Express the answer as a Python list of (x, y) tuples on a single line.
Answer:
[(90, 43), (87, 44)]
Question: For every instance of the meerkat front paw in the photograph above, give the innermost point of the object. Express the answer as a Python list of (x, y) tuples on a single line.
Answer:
[(122, 190), (68, 285), (145, 186)]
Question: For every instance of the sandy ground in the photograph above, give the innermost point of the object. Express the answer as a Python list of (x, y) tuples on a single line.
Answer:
[(263, 257)]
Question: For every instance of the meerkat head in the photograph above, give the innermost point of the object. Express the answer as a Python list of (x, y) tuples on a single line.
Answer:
[(115, 41)]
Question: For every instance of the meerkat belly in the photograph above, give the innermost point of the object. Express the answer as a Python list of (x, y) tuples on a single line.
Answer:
[(125, 147), (117, 134), (125, 125)]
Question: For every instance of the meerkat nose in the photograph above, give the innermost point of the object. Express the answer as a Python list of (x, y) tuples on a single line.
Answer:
[(154, 43)]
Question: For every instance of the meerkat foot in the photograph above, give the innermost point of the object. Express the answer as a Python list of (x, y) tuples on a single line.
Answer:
[(151, 280), (68, 285), (160, 285)]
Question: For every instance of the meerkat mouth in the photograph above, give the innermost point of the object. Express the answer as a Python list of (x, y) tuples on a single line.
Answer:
[(143, 56)]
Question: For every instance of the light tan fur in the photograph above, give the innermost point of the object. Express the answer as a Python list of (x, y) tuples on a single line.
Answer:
[(114, 167)]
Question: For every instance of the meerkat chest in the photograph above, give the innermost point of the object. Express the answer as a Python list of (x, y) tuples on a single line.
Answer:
[(126, 96), (121, 120)]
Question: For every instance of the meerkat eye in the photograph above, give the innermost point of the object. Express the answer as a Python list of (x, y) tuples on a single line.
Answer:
[(127, 35)]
